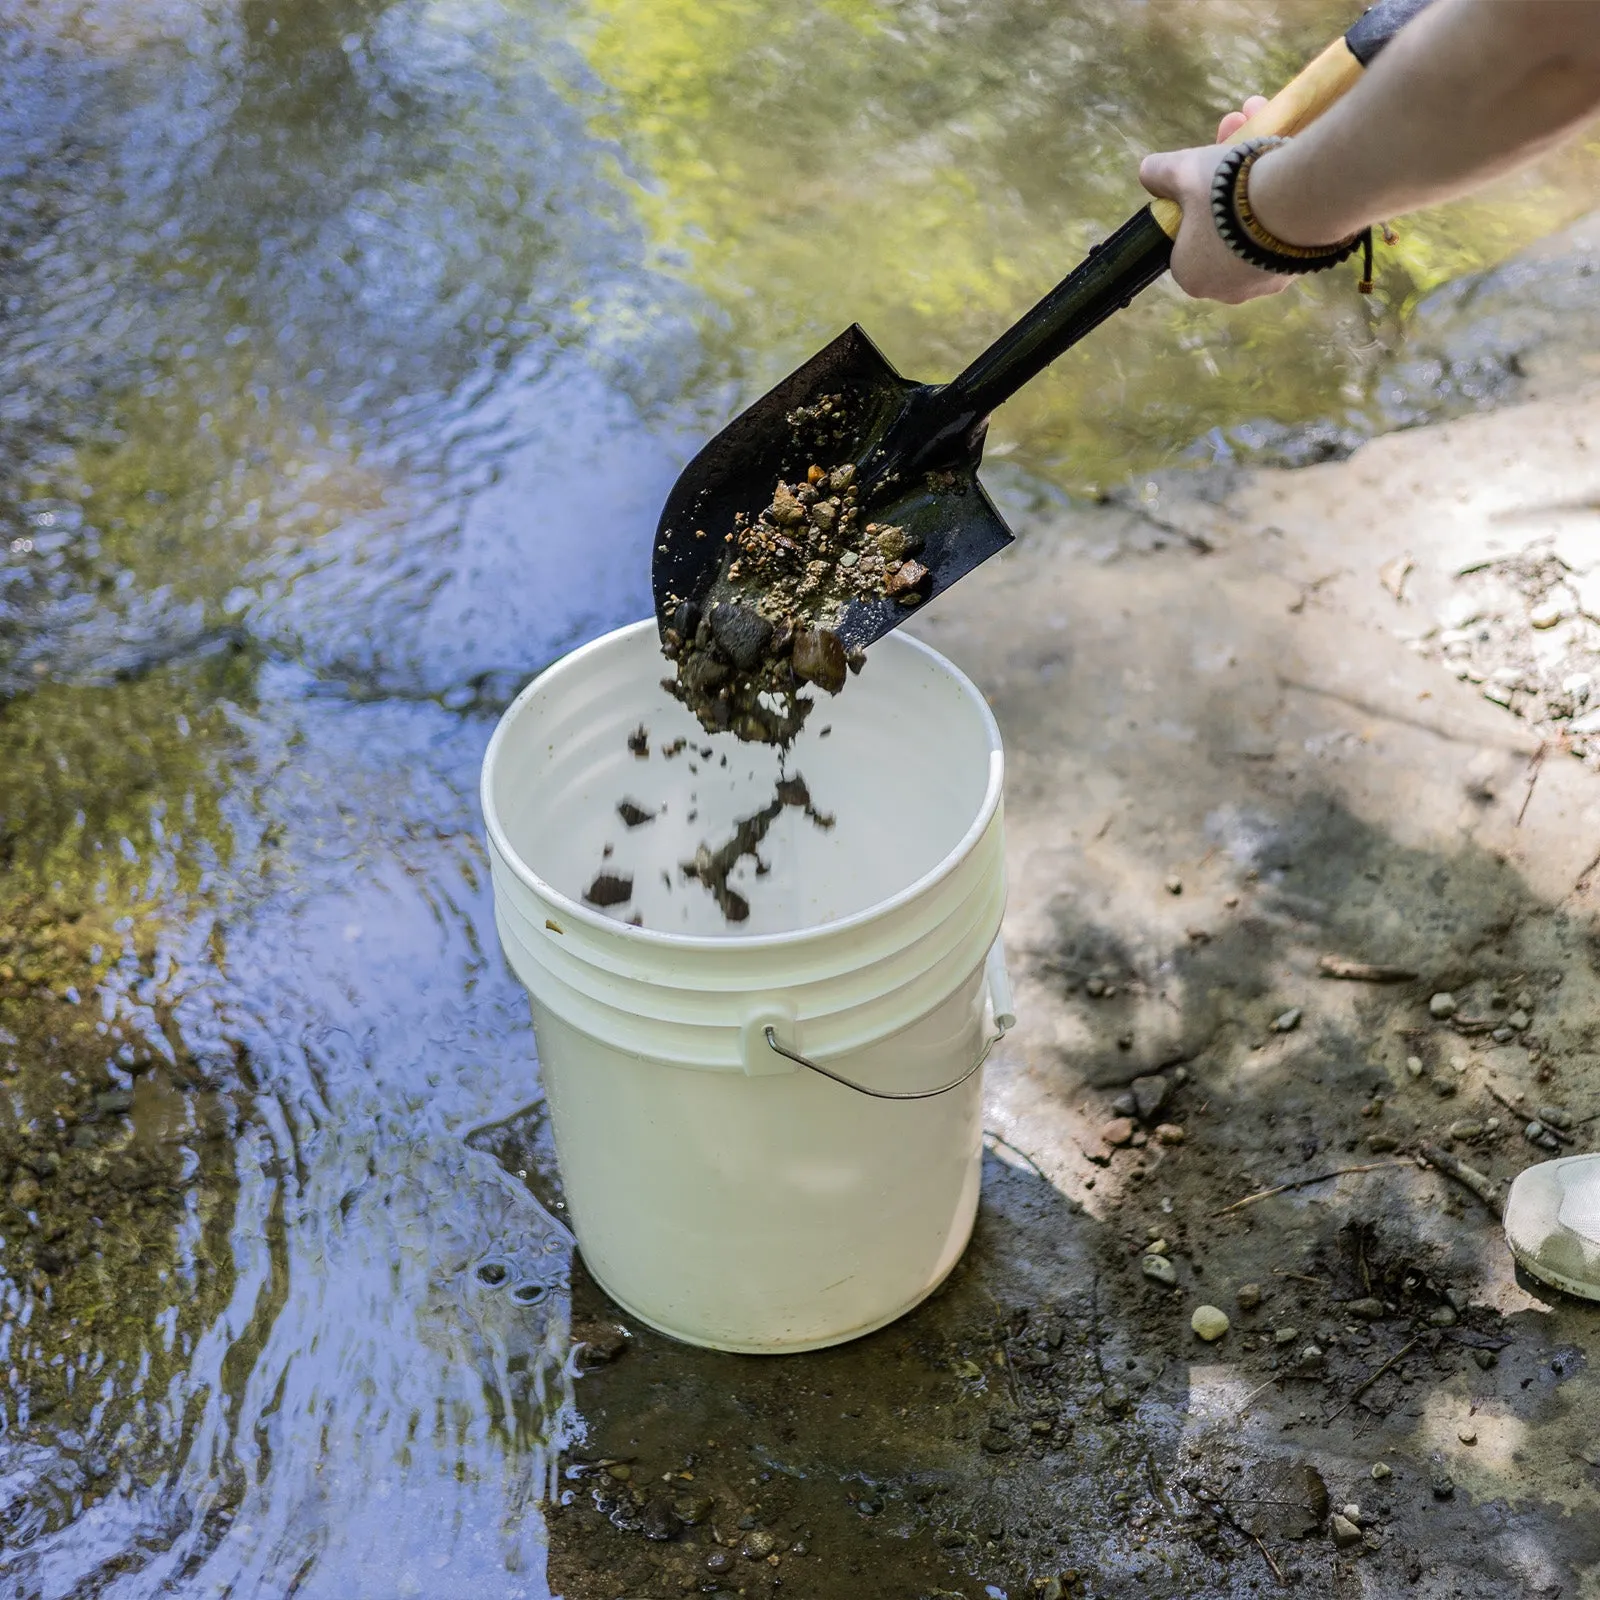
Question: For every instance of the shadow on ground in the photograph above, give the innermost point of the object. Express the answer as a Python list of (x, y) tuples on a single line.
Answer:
[(1048, 1424)]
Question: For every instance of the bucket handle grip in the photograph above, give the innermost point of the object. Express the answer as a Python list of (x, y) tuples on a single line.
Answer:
[(1000, 1004)]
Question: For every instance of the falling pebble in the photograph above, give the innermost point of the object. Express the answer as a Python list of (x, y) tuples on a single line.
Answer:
[(1467, 1435), (1210, 1322), (609, 889)]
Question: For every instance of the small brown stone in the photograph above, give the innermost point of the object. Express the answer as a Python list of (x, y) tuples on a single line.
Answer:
[(598, 1343), (909, 577), (893, 543), (786, 510), (1170, 1133), (693, 1509), (819, 658), (1118, 1131)]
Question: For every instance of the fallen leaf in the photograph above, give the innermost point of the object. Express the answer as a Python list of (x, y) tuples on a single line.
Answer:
[(1279, 1500)]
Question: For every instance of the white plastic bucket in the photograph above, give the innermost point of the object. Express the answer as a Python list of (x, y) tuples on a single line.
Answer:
[(719, 1190)]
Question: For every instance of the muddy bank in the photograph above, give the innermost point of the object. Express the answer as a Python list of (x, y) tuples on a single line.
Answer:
[(1296, 900)]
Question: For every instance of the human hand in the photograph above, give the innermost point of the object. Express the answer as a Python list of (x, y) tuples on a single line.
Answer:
[(1202, 265)]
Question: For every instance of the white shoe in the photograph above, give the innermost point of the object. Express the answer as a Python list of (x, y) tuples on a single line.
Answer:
[(1552, 1223)]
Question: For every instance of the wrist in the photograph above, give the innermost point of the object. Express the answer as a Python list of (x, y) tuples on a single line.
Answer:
[(1241, 229), (1291, 209)]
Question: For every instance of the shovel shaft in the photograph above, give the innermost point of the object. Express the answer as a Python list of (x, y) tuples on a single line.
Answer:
[(1108, 278), (1134, 256)]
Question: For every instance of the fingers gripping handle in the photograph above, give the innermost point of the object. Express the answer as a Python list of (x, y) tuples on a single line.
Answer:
[(1326, 80)]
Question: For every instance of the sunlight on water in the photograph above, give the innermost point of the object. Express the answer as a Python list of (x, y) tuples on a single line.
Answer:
[(930, 171)]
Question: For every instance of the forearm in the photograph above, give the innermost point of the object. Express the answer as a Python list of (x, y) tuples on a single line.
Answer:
[(1470, 89)]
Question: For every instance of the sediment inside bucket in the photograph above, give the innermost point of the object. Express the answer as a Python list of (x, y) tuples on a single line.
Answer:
[(900, 765)]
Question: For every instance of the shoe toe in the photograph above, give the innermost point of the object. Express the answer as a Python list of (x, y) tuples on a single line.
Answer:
[(1552, 1222)]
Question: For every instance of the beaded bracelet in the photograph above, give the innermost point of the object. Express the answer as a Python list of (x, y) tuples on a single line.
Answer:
[(1242, 231)]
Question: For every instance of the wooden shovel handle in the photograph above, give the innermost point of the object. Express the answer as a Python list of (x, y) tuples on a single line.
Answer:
[(1328, 78)]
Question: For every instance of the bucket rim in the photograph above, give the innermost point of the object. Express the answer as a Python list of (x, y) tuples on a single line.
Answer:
[(588, 917)]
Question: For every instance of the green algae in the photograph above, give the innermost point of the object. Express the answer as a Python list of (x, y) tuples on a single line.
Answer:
[(116, 1141)]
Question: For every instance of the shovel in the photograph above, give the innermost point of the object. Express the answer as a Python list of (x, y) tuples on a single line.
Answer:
[(916, 446)]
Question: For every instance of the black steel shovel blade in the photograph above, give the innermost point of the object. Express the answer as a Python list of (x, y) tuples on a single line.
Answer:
[(781, 435)]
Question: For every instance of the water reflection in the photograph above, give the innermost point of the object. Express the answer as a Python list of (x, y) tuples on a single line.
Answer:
[(930, 169), (346, 352)]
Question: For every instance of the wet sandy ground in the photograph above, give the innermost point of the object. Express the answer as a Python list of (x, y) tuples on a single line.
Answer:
[(1233, 752)]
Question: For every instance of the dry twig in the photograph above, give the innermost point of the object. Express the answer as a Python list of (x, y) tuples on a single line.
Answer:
[(1534, 766), (1363, 971), (1371, 1378), (1304, 1183), (1506, 1100), (1022, 1155), (1486, 1189), (1276, 1573)]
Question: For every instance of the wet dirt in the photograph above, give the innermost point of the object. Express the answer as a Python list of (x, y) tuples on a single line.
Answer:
[(609, 889), (766, 628), (711, 867)]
